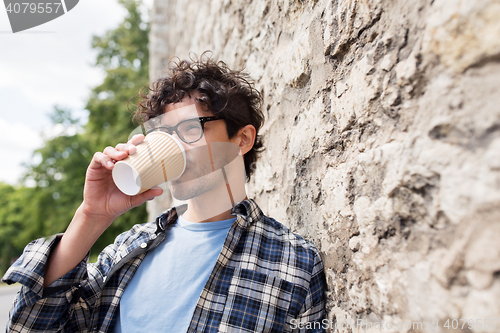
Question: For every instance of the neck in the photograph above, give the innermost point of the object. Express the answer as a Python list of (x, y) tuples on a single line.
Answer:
[(210, 210), (214, 205)]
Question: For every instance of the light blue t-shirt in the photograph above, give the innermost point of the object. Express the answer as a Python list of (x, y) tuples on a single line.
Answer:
[(164, 291)]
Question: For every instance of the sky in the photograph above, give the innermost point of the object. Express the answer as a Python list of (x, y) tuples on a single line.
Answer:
[(48, 65)]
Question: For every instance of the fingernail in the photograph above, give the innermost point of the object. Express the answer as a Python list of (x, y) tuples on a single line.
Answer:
[(110, 164)]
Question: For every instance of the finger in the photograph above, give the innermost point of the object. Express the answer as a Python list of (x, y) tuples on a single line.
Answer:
[(121, 146), (115, 154), (101, 159), (148, 195), (136, 139), (153, 193), (129, 148)]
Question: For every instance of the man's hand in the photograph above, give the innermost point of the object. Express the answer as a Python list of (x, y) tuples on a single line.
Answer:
[(102, 200), (102, 203)]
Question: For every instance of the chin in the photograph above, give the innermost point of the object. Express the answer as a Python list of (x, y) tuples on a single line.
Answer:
[(181, 194), (185, 190)]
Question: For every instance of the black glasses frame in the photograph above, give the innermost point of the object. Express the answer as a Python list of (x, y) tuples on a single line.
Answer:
[(172, 129)]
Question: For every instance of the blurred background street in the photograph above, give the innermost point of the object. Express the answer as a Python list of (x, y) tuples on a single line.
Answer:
[(7, 294)]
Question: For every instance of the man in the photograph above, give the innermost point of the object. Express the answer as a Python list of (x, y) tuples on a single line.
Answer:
[(217, 264)]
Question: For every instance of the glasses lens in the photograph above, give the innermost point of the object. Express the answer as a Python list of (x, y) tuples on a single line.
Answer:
[(190, 130)]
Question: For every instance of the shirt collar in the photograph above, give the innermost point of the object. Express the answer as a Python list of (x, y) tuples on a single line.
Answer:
[(248, 210)]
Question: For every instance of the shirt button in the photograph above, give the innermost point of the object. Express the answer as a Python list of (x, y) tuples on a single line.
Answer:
[(144, 245), (104, 279)]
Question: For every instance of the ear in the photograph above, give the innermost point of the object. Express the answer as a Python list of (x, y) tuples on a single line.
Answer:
[(246, 138)]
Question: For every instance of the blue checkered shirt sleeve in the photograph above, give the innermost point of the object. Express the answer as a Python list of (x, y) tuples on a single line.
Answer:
[(312, 314), (33, 307), (71, 303)]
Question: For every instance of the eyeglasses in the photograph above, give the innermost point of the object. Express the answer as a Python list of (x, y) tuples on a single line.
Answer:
[(189, 130)]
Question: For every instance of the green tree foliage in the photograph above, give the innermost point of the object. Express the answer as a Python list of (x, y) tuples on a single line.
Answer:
[(47, 208), (13, 215), (123, 54), (59, 177)]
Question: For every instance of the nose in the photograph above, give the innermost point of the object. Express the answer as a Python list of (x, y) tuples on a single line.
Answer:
[(185, 145)]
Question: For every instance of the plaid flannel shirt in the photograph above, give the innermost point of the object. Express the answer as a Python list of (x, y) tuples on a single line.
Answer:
[(266, 279)]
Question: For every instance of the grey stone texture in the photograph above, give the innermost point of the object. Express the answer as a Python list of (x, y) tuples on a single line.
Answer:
[(382, 140)]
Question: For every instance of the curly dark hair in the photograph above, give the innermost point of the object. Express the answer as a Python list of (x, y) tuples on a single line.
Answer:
[(227, 93)]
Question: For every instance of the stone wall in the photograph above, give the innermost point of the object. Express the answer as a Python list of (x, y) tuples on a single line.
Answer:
[(383, 142)]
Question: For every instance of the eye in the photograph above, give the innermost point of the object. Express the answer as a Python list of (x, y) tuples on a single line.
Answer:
[(190, 130), (191, 127)]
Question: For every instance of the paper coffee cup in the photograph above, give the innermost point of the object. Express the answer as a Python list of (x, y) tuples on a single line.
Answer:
[(159, 158)]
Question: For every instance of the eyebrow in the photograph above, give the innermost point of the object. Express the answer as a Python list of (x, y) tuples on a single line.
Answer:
[(192, 118)]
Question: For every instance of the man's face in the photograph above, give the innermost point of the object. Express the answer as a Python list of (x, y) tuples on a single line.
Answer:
[(212, 151)]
